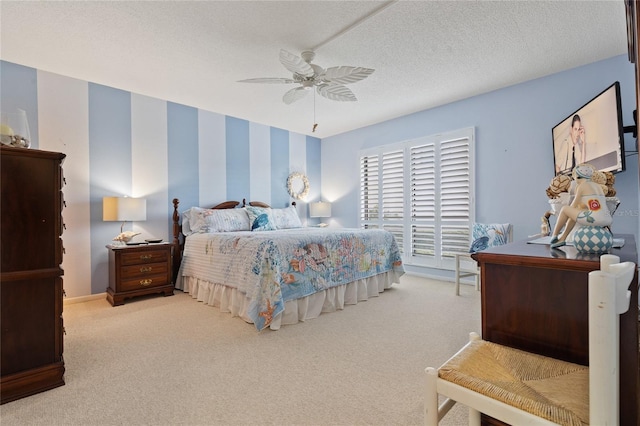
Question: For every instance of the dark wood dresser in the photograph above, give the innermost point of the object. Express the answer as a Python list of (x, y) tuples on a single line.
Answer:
[(30, 274), (536, 299)]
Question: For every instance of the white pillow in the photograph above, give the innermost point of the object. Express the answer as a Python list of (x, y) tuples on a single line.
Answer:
[(187, 220), (286, 218), (226, 220), (201, 220)]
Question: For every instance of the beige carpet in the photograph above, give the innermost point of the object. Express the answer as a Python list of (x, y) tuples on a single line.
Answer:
[(172, 360)]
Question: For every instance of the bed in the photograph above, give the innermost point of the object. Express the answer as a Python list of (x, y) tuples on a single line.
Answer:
[(271, 271)]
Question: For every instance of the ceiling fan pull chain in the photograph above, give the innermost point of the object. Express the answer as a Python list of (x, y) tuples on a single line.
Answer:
[(315, 125)]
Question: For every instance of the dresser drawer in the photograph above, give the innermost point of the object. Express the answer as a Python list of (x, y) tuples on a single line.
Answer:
[(147, 256)]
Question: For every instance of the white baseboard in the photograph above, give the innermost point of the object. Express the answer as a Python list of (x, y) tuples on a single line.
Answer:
[(466, 281), (82, 299)]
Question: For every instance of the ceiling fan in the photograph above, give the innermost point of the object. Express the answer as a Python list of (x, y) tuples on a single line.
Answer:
[(329, 82)]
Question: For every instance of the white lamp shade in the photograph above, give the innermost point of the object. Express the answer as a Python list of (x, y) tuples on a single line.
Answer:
[(320, 209), (124, 209)]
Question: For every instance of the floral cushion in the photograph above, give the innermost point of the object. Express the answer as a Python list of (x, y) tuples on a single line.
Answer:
[(484, 236), (286, 218), (260, 219)]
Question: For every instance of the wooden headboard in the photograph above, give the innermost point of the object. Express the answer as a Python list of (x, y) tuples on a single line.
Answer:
[(259, 203), (178, 243)]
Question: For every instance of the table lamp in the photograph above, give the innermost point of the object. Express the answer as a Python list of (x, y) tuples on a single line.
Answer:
[(124, 209), (320, 209)]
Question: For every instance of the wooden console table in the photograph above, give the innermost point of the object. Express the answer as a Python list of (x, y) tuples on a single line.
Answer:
[(536, 299)]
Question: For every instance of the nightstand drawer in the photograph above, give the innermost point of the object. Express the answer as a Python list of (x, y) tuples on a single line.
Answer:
[(143, 270), (147, 256), (142, 282)]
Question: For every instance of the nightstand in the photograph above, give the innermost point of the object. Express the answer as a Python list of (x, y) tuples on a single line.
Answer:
[(139, 270)]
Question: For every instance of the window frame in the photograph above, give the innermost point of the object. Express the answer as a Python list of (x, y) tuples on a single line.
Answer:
[(451, 234)]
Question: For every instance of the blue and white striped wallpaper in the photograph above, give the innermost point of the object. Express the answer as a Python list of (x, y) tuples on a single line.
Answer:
[(122, 143)]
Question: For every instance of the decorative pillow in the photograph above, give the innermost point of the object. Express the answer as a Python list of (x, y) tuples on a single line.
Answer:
[(187, 220), (225, 220), (489, 235), (201, 220), (286, 218), (196, 218), (260, 219)]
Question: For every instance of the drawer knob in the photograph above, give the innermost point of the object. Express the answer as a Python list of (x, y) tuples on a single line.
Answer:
[(146, 269), (146, 256), (146, 282)]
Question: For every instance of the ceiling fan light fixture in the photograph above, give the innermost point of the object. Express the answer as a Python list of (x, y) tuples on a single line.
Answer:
[(308, 56)]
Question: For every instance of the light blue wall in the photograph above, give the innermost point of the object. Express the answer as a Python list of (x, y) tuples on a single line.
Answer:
[(122, 143), (237, 142), (514, 157), (279, 157), (204, 157), (109, 132), (182, 135)]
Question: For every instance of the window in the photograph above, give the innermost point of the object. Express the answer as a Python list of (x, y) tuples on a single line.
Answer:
[(422, 191)]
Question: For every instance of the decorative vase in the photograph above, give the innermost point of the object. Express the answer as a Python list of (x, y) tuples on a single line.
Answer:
[(14, 129), (592, 239)]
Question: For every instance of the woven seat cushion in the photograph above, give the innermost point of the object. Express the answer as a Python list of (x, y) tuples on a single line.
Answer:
[(552, 389)]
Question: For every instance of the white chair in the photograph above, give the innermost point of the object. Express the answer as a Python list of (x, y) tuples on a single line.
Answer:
[(461, 272), (522, 388), (482, 236)]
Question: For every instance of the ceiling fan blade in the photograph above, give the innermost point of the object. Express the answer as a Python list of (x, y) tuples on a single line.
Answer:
[(346, 75), (295, 64), (294, 94), (268, 80), (336, 92)]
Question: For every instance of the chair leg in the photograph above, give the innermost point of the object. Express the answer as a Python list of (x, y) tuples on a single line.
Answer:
[(608, 298), (457, 275), (431, 397), (474, 417)]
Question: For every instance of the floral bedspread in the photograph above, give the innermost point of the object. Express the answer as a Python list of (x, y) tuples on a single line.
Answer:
[(272, 267)]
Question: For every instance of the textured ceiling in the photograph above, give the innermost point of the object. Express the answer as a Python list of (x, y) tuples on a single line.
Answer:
[(425, 53)]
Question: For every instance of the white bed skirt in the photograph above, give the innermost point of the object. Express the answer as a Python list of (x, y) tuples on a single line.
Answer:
[(231, 300)]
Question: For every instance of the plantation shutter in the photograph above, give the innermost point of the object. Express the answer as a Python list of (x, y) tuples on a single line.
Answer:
[(423, 200), (393, 194), (424, 191), (369, 191), (455, 192)]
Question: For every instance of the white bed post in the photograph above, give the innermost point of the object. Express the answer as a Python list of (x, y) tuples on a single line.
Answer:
[(608, 298)]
